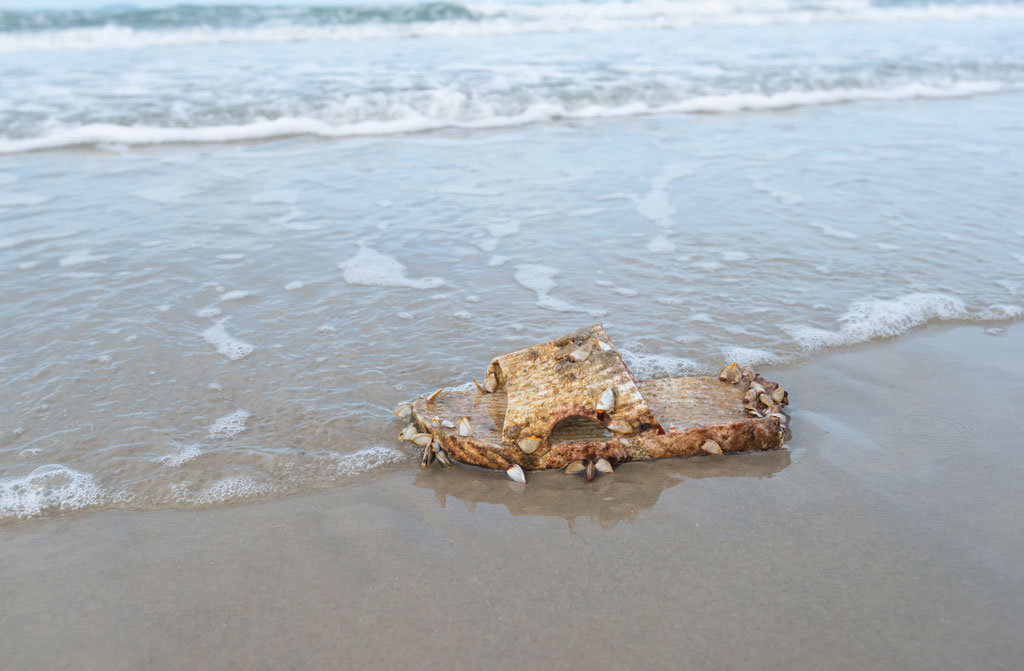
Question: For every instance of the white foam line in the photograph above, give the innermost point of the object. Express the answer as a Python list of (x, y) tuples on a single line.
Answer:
[(506, 19), (543, 111), (883, 318)]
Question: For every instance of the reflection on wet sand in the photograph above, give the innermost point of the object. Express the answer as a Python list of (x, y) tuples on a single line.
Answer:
[(608, 500)]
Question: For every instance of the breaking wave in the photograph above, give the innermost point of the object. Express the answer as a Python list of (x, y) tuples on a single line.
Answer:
[(139, 28), (461, 112)]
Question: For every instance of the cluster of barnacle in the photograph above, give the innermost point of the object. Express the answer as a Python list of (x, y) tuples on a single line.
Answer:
[(432, 449), (761, 398)]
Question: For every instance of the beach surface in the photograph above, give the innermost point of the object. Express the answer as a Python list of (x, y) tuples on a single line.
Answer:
[(888, 535)]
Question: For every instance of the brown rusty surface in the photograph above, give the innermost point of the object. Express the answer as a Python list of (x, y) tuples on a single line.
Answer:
[(691, 411), (543, 385)]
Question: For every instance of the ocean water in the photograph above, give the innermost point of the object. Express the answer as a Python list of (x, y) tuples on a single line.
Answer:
[(232, 238)]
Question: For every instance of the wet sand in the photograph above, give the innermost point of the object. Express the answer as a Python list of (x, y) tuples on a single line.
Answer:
[(888, 536)]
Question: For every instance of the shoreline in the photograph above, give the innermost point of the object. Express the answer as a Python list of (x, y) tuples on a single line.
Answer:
[(888, 535)]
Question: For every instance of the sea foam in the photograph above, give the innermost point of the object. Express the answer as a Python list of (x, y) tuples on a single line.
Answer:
[(230, 347), (50, 488), (645, 365), (182, 456), (230, 425), (525, 108), (541, 280), (487, 18), (370, 267), (871, 319)]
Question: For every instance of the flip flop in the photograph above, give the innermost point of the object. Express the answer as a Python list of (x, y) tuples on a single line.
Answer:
[(571, 403)]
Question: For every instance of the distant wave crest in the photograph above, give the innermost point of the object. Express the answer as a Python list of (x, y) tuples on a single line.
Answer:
[(182, 25)]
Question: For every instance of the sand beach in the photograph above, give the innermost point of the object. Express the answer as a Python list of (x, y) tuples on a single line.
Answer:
[(887, 536), (234, 237)]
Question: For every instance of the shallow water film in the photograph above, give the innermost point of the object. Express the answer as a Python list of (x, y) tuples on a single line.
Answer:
[(211, 319)]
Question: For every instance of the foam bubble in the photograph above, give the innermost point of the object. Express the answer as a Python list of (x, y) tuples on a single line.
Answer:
[(208, 312), (645, 365), (182, 456), (370, 267), (230, 425), (227, 489), (80, 257), (1001, 311), (748, 356), (465, 386), (867, 320), (293, 286), (235, 295), (363, 461), (232, 348), (49, 488)]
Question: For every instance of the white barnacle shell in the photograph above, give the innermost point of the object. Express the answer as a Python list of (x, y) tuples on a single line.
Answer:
[(605, 347), (711, 447), (620, 426), (404, 410), (580, 355), (575, 467), (516, 473), (529, 444), (407, 433), (422, 439), (464, 428), (603, 466), (606, 402)]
